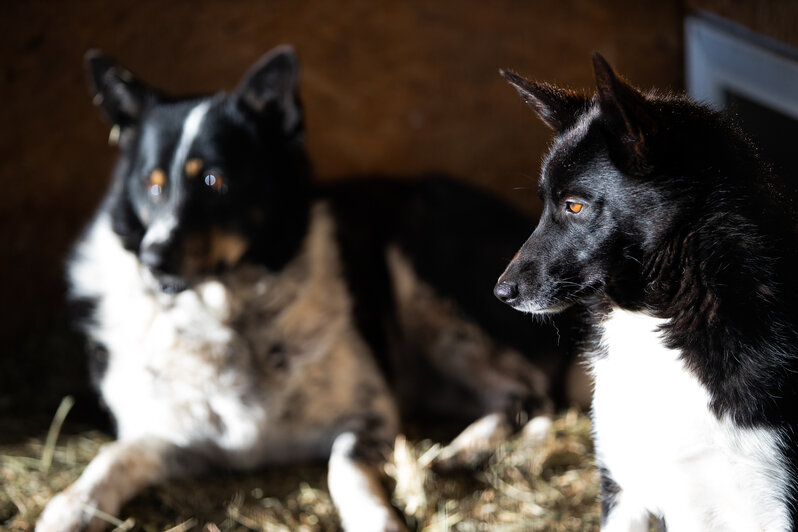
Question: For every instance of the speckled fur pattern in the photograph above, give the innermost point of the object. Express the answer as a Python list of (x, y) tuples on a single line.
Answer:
[(240, 317), (245, 359), (243, 369), (226, 337)]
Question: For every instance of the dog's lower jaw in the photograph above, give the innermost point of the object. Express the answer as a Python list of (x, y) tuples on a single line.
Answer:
[(530, 307)]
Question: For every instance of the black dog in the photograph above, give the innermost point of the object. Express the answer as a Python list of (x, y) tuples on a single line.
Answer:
[(659, 216), (241, 319)]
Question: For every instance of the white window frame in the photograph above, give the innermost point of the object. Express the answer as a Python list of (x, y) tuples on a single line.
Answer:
[(721, 56)]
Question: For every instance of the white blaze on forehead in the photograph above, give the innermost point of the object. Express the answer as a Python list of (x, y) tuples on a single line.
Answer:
[(191, 128), (163, 226)]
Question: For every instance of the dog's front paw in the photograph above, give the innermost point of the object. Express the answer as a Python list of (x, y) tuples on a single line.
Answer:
[(475, 444), (69, 511), (394, 525)]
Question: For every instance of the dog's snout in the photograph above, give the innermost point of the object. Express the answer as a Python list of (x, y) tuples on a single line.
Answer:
[(152, 257), (160, 256), (506, 291)]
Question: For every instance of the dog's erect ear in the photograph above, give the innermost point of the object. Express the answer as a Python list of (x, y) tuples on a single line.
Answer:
[(624, 108), (272, 81), (558, 108), (118, 94)]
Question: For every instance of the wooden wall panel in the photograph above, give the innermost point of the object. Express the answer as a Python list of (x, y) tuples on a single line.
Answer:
[(391, 87)]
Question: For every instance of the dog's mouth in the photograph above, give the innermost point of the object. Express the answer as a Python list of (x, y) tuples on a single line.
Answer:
[(556, 297), (171, 284), (166, 283), (530, 307), (195, 258)]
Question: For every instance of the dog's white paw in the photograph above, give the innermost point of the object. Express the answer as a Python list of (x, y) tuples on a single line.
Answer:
[(69, 511), (475, 444), (537, 430)]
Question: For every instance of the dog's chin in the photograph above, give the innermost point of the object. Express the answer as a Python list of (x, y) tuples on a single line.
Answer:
[(165, 283), (529, 306), (172, 284)]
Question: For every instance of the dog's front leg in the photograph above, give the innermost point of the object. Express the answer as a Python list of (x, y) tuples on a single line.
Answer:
[(619, 513), (625, 517), (475, 442), (119, 471), (355, 482)]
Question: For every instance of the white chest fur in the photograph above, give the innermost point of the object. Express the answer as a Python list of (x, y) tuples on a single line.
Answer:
[(667, 451), (196, 369)]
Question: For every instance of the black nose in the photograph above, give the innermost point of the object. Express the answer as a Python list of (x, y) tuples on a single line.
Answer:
[(506, 291), (152, 256)]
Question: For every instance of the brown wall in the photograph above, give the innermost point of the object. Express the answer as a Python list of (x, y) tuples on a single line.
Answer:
[(389, 86), (777, 19)]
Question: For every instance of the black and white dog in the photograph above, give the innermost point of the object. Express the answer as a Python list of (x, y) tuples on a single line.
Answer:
[(240, 319), (659, 215)]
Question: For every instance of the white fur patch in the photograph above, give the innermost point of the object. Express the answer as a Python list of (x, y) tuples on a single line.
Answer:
[(195, 368), (191, 128), (162, 228), (357, 492), (667, 451), (160, 231)]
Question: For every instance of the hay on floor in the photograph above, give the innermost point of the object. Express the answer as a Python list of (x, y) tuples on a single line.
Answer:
[(549, 486)]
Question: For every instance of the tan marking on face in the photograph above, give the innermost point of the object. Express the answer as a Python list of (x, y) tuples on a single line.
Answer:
[(193, 167), (158, 178), (227, 248)]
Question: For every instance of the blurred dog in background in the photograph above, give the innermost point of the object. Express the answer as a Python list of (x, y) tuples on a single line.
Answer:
[(238, 316)]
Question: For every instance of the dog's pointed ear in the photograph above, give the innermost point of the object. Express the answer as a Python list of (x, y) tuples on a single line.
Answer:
[(272, 82), (119, 95), (558, 108), (624, 109)]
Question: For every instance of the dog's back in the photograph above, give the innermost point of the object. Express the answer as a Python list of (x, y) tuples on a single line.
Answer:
[(426, 246)]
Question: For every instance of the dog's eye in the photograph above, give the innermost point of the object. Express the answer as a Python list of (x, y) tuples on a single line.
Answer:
[(193, 167), (574, 207), (215, 181), (156, 182)]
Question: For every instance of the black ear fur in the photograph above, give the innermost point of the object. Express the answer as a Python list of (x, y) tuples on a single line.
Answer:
[(624, 109), (558, 108), (273, 81), (118, 94)]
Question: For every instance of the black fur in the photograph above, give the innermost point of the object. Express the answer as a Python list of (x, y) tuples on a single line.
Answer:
[(678, 218), (455, 235), (609, 492)]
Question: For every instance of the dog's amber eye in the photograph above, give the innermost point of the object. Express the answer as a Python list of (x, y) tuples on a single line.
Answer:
[(216, 182), (193, 167), (156, 182), (574, 207)]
